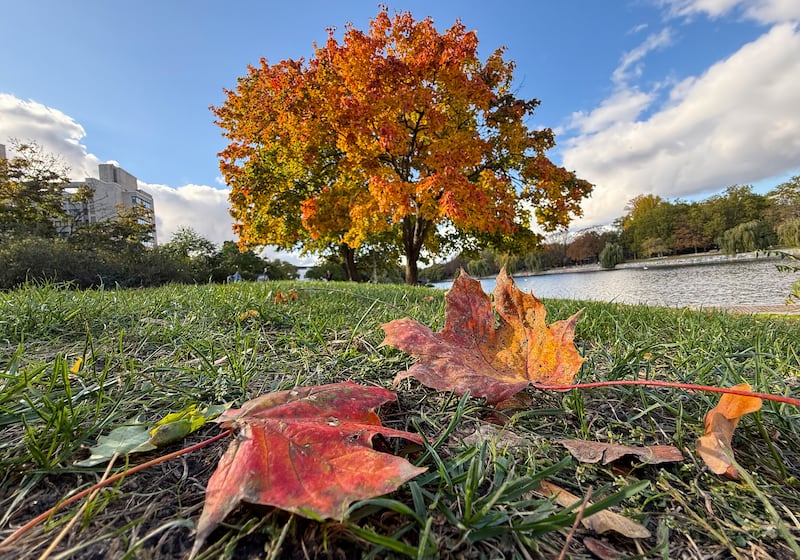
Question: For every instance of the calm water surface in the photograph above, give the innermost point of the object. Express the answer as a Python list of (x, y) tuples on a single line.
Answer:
[(706, 285)]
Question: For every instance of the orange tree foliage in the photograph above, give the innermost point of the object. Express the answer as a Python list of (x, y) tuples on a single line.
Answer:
[(399, 131)]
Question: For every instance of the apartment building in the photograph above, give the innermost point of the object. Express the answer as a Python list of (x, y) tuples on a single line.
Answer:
[(115, 190)]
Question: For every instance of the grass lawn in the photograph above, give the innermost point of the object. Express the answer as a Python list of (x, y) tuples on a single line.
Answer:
[(146, 353)]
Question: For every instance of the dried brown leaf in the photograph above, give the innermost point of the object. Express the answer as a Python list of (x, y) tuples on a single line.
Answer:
[(605, 453), (715, 447), (600, 522)]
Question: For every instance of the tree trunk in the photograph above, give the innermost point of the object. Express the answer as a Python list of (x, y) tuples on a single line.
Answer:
[(412, 272), (349, 262), (414, 232)]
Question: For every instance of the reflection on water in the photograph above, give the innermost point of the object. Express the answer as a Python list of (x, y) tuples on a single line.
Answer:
[(707, 285)]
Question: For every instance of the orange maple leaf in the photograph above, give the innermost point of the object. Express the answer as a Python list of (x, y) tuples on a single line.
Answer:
[(471, 354), (715, 446), (308, 451)]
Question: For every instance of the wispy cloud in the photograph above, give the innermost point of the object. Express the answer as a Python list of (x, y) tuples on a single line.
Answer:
[(630, 66), (763, 11), (624, 106)]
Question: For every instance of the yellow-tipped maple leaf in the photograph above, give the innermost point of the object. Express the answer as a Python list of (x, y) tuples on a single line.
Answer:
[(715, 446), (474, 354)]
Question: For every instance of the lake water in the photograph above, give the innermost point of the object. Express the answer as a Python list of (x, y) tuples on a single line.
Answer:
[(702, 285)]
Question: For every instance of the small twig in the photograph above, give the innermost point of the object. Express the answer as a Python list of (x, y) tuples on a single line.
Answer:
[(669, 384), (40, 518), (578, 518), (80, 511)]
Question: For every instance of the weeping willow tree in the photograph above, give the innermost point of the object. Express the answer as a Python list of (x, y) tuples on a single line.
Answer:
[(611, 255), (755, 235)]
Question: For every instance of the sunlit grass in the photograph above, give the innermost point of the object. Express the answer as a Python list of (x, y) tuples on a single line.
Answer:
[(73, 365)]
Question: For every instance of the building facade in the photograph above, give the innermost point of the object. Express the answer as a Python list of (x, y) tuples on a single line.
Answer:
[(116, 190)]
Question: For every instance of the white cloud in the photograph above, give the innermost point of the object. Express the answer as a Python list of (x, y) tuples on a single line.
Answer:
[(689, 8), (200, 207), (622, 106), (56, 132), (628, 101), (774, 11), (763, 11), (739, 122), (630, 67)]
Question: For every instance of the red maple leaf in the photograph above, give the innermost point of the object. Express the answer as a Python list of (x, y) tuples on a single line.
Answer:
[(472, 354), (308, 451)]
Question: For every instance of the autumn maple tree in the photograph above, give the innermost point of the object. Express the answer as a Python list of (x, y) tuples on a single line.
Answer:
[(400, 132)]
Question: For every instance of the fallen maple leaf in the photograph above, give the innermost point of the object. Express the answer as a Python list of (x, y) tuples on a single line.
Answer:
[(250, 313), (471, 354), (308, 451), (595, 452), (600, 522), (715, 446)]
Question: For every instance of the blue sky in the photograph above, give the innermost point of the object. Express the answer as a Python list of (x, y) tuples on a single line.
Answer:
[(679, 98)]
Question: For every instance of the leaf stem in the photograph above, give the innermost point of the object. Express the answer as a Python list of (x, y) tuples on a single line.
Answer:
[(106, 482), (670, 384), (68, 527)]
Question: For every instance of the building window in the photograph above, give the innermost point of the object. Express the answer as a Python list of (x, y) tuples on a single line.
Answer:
[(142, 202)]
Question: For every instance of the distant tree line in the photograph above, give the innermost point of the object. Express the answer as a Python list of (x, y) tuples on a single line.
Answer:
[(35, 247), (40, 241), (735, 221)]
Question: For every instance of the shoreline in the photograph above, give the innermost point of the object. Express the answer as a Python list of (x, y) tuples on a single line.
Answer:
[(766, 295), (664, 262)]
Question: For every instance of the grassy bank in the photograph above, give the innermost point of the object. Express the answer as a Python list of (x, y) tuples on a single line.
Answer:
[(145, 353)]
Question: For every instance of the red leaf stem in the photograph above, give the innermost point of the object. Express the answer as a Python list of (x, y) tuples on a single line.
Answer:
[(103, 483), (669, 384)]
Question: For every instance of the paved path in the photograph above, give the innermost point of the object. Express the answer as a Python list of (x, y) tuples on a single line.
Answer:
[(774, 309)]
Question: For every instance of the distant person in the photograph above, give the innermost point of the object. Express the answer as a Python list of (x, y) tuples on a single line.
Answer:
[(235, 277), (264, 276), (328, 275)]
